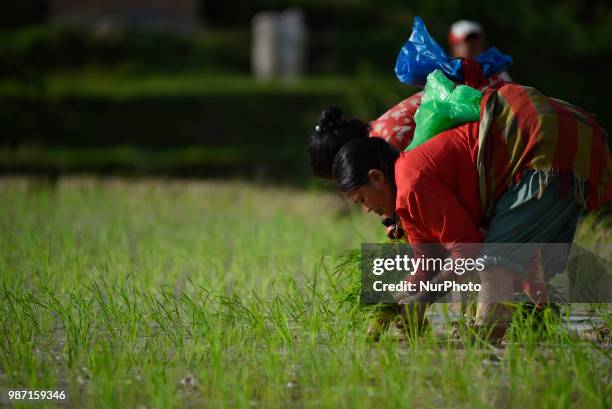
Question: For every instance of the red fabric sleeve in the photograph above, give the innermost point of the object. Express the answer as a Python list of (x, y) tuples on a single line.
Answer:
[(435, 215)]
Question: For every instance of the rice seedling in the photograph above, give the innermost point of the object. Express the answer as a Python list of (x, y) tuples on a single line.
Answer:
[(158, 294)]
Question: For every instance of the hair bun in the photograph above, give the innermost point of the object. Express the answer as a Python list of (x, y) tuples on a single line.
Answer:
[(330, 118)]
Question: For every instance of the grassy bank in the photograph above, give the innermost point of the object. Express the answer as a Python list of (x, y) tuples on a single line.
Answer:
[(163, 294)]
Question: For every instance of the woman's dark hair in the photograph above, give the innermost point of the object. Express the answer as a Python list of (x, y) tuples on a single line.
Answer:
[(330, 134), (357, 158)]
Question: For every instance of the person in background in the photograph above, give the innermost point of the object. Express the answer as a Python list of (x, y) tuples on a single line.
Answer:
[(466, 39), (333, 130)]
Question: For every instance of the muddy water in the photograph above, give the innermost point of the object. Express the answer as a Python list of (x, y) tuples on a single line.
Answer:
[(583, 322)]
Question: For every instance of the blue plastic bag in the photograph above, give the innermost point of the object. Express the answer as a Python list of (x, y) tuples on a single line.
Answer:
[(421, 55)]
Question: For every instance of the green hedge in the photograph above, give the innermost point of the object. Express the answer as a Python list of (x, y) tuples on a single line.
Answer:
[(169, 125), (40, 50)]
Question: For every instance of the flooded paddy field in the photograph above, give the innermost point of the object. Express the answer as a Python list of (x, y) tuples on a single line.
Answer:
[(173, 294)]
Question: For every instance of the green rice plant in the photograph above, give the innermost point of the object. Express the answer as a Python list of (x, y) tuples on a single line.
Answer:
[(163, 293)]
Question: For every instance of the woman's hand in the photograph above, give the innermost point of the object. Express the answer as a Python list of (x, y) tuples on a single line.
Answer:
[(394, 228)]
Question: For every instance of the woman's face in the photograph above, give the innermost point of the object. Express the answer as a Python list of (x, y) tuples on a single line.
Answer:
[(377, 195)]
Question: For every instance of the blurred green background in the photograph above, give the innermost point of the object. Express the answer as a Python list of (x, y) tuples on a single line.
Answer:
[(132, 99)]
